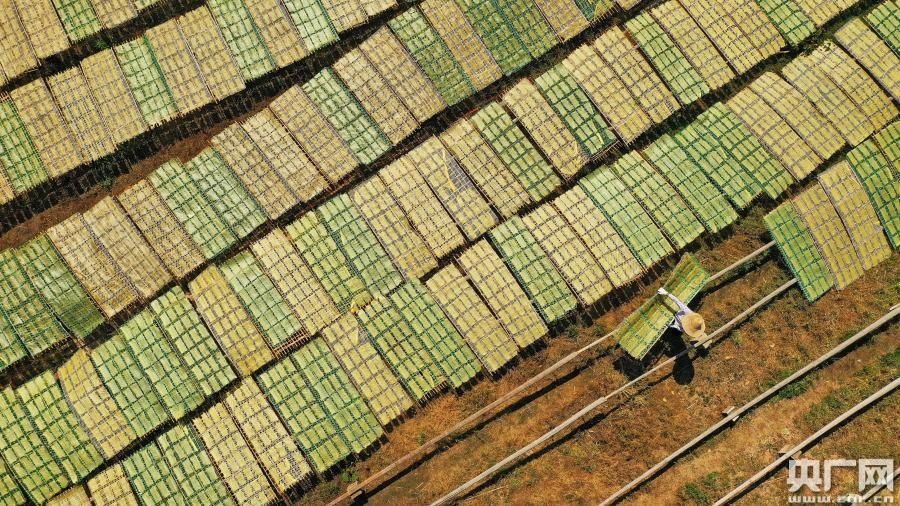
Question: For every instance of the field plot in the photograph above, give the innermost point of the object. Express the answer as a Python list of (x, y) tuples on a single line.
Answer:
[(488, 251), (762, 353)]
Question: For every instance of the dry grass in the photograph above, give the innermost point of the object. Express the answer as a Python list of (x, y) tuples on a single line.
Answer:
[(628, 437)]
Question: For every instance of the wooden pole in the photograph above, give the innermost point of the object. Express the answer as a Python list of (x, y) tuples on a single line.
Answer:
[(745, 487), (538, 443), (400, 465), (759, 399)]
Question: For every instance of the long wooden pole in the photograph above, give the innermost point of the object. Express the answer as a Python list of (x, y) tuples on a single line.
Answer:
[(762, 249), (759, 399), (538, 443), (743, 488), (477, 418), (465, 425)]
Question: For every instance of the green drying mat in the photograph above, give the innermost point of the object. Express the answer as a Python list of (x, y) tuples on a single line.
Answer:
[(576, 110), (192, 469), (31, 461), (58, 287), (146, 80), (359, 244), (516, 151), (698, 191), (78, 18), (594, 9), (433, 55), (885, 19), (150, 477), (181, 323), (630, 220), (29, 320), (126, 382), (747, 149), (161, 364), (311, 19), (313, 430), (11, 348), (789, 19), (532, 29), (327, 262), (659, 198), (444, 342), (722, 124), (642, 329), (497, 34), (336, 393), (888, 139), (262, 299), (347, 116), (190, 207), (799, 251), (708, 149), (534, 270), (882, 187), (224, 191), (59, 427), (242, 37), (404, 350), (682, 78)]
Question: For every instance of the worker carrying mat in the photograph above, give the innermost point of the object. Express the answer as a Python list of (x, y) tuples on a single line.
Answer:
[(642, 329)]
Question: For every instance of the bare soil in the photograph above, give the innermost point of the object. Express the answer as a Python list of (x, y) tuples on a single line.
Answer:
[(798, 411), (182, 150), (630, 435)]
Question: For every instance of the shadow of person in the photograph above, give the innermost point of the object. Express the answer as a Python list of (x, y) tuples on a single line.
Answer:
[(683, 371)]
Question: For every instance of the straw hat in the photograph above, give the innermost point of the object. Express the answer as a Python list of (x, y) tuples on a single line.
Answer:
[(693, 325)]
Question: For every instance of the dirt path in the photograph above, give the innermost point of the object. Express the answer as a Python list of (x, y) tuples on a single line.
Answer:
[(629, 438), (799, 410), (873, 434), (182, 150)]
